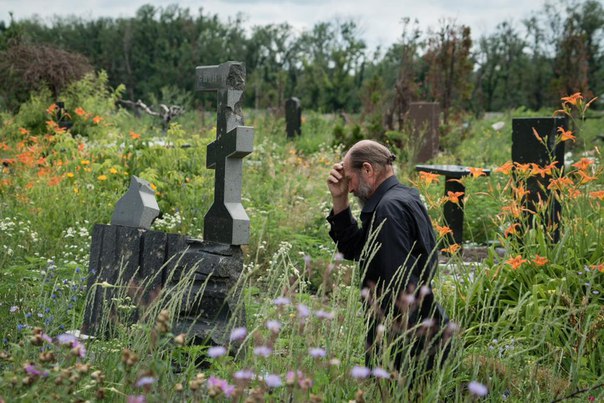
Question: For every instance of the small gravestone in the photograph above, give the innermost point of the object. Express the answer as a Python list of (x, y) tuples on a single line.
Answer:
[(293, 117), (527, 148), (63, 120), (425, 119), (138, 207), (201, 274)]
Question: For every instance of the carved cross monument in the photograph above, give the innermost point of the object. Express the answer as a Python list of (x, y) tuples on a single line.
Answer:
[(226, 221)]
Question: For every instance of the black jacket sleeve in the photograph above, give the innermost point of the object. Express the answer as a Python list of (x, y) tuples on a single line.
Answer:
[(346, 234)]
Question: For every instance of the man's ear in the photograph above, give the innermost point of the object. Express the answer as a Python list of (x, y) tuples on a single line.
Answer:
[(367, 168)]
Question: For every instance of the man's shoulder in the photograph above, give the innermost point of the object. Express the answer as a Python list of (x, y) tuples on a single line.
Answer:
[(401, 194)]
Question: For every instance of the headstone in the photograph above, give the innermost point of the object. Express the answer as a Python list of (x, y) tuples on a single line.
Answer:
[(227, 221), (527, 148), (293, 117), (197, 277), (452, 212), (62, 116), (138, 207), (425, 120)]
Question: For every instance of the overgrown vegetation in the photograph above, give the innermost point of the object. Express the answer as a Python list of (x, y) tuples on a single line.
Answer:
[(530, 321)]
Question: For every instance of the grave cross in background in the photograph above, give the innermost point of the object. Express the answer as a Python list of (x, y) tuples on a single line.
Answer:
[(226, 221)]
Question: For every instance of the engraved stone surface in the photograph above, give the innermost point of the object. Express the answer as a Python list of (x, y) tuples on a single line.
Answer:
[(293, 117), (227, 221), (138, 207)]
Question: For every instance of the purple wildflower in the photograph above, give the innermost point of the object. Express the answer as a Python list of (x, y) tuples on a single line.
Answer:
[(338, 257), (303, 311), (262, 351), (380, 373), (307, 259), (365, 293), (274, 326), (272, 380), (244, 375), (144, 381), (220, 384), (316, 352), (66, 338), (137, 399), (358, 372), (216, 351), (477, 389), (282, 301), (31, 370), (238, 333), (321, 314), (46, 338), (13, 309)]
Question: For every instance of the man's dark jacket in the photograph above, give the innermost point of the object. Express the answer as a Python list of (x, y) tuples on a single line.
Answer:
[(406, 237)]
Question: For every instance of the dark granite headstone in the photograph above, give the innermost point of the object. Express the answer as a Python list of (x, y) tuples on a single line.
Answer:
[(453, 212), (63, 120), (293, 117), (425, 119), (527, 148), (227, 221)]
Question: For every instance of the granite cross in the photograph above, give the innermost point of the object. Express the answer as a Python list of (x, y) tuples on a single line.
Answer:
[(227, 221)]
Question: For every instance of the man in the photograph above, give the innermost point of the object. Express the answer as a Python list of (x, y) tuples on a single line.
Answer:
[(395, 246)]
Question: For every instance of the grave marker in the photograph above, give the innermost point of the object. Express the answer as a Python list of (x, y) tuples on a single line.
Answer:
[(153, 266), (425, 119), (227, 221), (293, 117), (527, 148)]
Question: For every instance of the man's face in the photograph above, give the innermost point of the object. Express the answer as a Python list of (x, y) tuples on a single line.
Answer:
[(357, 184)]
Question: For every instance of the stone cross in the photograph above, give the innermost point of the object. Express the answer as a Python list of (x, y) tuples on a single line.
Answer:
[(227, 221), (137, 208)]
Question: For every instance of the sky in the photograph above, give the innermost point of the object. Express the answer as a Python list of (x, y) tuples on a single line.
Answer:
[(379, 20)]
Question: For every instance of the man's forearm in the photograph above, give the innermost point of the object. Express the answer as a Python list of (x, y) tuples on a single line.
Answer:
[(340, 204)]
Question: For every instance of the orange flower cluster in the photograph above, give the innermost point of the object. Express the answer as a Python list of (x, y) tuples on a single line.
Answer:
[(428, 177)]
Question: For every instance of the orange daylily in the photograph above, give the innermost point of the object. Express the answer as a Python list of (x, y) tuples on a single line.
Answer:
[(583, 163), (505, 168), (102, 177), (598, 267), (442, 231), (80, 111), (599, 194), (514, 209), (540, 260), (81, 147), (97, 119), (546, 170), (453, 197), (520, 192), (54, 181), (429, 177), (4, 147), (573, 193), (476, 172), (523, 168), (565, 134), (585, 178), (134, 136), (572, 99), (516, 262), (511, 230), (23, 131), (559, 184), (452, 249), (51, 109), (536, 134), (85, 162)]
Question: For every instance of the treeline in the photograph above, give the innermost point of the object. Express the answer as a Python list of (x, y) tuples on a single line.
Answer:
[(555, 52)]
